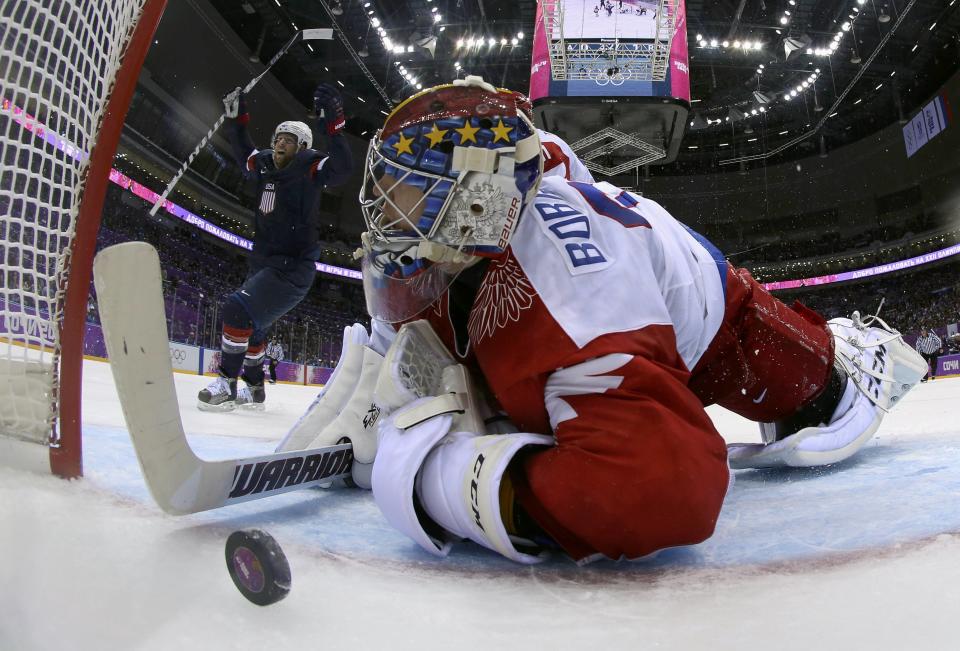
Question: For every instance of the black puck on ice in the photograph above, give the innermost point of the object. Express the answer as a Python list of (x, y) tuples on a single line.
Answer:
[(258, 566)]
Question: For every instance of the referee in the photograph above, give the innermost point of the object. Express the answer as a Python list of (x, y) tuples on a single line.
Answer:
[(274, 353), (929, 345)]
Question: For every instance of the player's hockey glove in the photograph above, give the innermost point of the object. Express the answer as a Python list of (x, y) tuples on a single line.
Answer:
[(234, 104), (328, 105)]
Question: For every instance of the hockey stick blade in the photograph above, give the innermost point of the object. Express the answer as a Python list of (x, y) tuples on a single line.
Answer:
[(130, 297)]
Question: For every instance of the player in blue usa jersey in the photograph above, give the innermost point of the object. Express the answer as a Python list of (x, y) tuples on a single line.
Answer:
[(288, 181)]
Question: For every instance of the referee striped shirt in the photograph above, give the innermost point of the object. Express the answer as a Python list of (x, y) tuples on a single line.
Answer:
[(274, 350), (929, 343)]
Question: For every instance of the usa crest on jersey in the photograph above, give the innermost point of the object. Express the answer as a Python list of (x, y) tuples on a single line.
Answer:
[(268, 199)]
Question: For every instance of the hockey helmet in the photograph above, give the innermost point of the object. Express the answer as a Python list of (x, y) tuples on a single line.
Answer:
[(446, 180), (298, 130), (473, 155)]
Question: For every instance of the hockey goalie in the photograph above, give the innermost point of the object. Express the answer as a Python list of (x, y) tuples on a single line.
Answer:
[(543, 348)]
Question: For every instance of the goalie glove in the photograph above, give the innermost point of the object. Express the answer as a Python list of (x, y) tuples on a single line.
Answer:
[(875, 369), (234, 104), (437, 482), (328, 105)]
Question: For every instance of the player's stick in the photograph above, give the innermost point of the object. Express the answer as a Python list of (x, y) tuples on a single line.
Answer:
[(130, 298), (303, 35)]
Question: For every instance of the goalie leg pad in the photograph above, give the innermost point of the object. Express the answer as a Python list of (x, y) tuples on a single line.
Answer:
[(356, 420), (399, 458), (334, 394)]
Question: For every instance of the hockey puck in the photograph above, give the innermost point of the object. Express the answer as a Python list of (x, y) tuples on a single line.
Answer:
[(258, 566)]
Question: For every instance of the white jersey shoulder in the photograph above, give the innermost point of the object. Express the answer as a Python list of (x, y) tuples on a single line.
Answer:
[(604, 260), (559, 159)]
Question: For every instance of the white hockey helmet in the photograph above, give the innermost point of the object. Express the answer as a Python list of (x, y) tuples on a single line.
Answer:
[(299, 130)]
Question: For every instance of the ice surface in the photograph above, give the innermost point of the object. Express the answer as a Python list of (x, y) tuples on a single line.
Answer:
[(860, 556)]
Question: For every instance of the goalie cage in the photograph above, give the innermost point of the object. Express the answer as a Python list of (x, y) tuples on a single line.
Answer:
[(68, 69)]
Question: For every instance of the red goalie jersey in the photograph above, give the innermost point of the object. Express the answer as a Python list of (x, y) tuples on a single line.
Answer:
[(610, 325)]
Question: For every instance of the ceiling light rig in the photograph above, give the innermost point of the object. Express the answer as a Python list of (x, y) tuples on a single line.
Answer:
[(802, 86), (744, 45), (478, 43), (733, 113), (846, 26), (409, 76)]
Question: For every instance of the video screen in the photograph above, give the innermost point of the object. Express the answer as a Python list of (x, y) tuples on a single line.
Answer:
[(602, 19)]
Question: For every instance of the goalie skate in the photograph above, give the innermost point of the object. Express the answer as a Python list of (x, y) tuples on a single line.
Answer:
[(880, 369)]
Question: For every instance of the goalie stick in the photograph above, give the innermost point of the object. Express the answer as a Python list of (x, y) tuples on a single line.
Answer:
[(130, 297), (325, 33)]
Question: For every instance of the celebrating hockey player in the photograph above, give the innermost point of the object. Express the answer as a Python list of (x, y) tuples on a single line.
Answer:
[(288, 180), (596, 323)]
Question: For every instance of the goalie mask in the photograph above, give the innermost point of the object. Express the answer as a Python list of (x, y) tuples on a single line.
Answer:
[(446, 180)]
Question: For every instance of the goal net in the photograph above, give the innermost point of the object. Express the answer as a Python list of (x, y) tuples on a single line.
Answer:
[(67, 71)]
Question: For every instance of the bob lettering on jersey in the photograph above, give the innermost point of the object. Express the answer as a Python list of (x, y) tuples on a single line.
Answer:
[(569, 230)]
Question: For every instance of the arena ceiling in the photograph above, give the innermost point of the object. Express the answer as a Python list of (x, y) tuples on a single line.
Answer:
[(892, 57)]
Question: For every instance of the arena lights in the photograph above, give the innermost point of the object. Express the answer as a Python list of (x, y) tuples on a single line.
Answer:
[(744, 45), (838, 36), (738, 115), (475, 43), (802, 86), (388, 44), (406, 74)]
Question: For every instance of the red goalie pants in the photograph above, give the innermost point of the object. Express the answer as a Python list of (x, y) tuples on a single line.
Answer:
[(767, 360), (656, 476)]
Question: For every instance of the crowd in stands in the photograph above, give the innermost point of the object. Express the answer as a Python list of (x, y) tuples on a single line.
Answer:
[(829, 242), (928, 296), (198, 272)]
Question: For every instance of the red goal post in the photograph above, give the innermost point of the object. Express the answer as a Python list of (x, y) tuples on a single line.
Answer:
[(68, 69)]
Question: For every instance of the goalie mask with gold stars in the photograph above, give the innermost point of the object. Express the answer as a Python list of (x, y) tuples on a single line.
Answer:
[(473, 155), (446, 180)]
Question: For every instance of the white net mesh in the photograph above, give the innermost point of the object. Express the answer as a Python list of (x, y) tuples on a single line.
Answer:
[(58, 63)]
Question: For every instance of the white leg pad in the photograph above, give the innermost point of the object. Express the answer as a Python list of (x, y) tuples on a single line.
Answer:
[(334, 394), (356, 420), (395, 469), (382, 335)]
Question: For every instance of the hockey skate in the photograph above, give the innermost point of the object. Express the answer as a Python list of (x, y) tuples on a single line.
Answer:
[(252, 397), (875, 369), (219, 395)]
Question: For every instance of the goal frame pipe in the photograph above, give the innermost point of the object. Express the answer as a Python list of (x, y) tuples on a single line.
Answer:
[(66, 459)]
